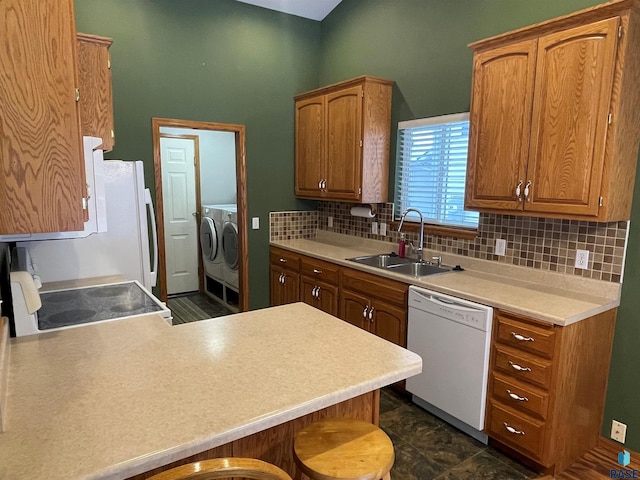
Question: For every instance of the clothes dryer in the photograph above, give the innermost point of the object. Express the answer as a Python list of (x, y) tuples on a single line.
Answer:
[(230, 248), (211, 241)]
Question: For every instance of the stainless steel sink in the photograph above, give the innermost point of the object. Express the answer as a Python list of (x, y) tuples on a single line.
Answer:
[(418, 269), (403, 266), (381, 261)]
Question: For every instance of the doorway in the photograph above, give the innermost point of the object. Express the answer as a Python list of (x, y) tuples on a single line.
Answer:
[(182, 187)]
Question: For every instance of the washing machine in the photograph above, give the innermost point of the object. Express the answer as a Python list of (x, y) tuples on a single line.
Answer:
[(211, 241), (230, 250)]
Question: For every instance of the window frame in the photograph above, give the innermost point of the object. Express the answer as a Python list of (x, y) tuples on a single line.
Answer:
[(412, 222)]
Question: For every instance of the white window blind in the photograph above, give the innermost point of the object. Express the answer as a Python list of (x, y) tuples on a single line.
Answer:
[(431, 169)]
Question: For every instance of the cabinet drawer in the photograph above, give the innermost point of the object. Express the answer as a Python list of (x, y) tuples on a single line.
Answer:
[(314, 268), (526, 336), (522, 366), (285, 259), (518, 431), (520, 396), (375, 286)]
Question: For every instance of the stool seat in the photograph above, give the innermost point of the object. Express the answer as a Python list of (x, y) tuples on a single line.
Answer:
[(343, 449)]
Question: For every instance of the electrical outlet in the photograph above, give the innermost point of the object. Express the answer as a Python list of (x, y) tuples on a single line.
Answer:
[(618, 431), (330, 222), (501, 246), (374, 228), (582, 259), (255, 223), (383, 229)]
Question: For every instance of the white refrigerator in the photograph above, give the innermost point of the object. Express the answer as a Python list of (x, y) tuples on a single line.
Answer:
[(123, 249)]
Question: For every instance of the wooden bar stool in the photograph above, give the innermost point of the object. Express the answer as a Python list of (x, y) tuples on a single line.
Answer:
[(224, 468), (343, 449)]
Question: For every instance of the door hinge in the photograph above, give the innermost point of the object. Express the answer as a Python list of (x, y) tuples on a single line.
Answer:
[(610, 119), (620, 31), (600, 201), (109, 64), (77, 94), (362, 94), (85, 203), (360, 191), (112, 134), (360, 143)]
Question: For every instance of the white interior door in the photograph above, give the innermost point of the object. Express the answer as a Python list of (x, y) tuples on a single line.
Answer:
[(180, 221)]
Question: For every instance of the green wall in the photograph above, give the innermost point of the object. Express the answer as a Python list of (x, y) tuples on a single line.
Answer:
[(225, 61), (218, 61), (422, 46)]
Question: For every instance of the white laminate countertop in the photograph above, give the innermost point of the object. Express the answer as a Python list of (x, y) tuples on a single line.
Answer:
[(547, 296), (115, 399)]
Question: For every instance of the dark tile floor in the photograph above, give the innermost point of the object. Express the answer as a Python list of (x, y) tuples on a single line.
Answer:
[(428, 448)]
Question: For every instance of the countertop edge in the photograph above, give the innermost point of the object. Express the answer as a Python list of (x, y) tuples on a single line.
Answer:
[(141, 465)]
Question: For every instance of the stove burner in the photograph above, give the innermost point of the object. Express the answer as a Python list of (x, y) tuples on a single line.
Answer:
[(68, 317), (63, 297), (110, 291), (128, 307)]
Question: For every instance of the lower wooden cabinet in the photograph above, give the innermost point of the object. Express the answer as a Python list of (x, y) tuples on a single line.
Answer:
[(375, 304), (547, 387), (368, 301)]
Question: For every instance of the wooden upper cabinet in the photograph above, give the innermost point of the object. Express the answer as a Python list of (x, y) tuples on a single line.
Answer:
[(96, 97), (42, 178), (552, 117), (309, 145), (342, 141), (574, 77), (501, 120)]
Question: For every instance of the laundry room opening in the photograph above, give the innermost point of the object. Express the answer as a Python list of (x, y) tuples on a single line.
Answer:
[(200, 178)]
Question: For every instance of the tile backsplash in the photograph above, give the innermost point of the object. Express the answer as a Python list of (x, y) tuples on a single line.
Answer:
[(541, 243)]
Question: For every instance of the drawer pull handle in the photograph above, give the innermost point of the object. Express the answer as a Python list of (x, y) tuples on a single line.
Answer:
[(517, 367), (283, 260), (510, 429), (281, 278), (522, 338), (517, 397), (371, 314), (364, 312), (319, 272)]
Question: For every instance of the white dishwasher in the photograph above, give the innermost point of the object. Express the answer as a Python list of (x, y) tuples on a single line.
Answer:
[(453, 338)]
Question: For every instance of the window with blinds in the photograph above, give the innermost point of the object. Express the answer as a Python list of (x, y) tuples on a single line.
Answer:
[(431, 168)]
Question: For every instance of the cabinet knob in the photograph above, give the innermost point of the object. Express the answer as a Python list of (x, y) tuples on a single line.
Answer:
[(283, 260), (510, 429), (317, 272), (517, 367), (518, 193), (516, 397), (522, 338)]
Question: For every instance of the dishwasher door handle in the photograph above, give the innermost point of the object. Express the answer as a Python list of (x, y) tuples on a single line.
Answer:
[(449, 304)]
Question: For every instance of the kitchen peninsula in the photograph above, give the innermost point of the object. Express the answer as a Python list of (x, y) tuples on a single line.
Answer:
[(122, 398)]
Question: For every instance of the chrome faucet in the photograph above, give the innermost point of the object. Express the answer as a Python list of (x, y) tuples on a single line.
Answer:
[(421, 241)]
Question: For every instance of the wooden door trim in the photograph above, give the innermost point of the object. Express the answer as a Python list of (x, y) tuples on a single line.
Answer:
[(241, 195), (196, 149)]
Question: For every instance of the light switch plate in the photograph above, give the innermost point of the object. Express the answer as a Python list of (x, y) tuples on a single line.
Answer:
[(383, 229), (374, 228), (330, 222), (255, 223), (501, 246)]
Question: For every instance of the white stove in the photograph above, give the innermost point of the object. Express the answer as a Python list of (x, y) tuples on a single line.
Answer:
[(77, 307)]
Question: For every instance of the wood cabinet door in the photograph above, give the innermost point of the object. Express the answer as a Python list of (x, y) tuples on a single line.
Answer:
[(574, 76), (321, 295), (42, 178), (500, 119), (354, 308), (389, 322), (96, 98), (343, 170), (285, 286), (310, 146)]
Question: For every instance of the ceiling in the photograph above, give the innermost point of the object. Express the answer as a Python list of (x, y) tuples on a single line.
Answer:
[(313, 9)]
